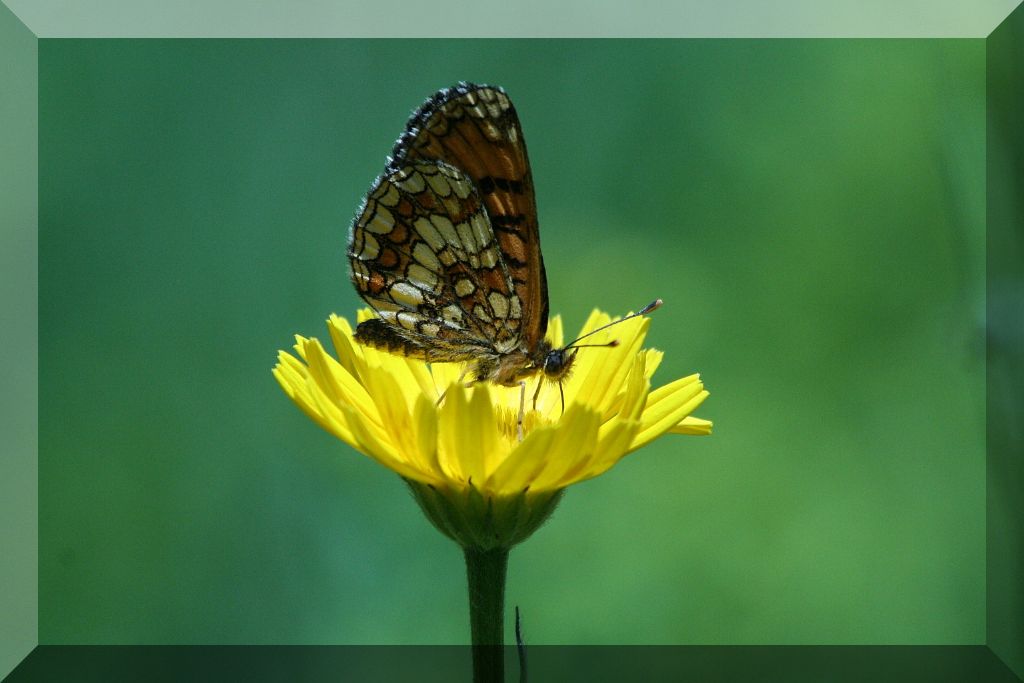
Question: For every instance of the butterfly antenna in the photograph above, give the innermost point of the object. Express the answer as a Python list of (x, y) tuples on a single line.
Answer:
[(613, 342), (653, 306)]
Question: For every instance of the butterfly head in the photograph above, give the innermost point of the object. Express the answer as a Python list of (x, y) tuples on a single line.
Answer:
[(558, 362)]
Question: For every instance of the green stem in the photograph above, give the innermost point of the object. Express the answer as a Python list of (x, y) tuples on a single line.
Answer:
[(486, 570)]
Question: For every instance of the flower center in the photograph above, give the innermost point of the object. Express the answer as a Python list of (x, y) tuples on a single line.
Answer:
[(508, 421)]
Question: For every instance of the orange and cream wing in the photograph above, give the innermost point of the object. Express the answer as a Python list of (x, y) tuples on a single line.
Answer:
[(476, 129), (424, 256)]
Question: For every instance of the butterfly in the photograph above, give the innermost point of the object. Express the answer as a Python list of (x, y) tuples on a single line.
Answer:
[(445, 247)]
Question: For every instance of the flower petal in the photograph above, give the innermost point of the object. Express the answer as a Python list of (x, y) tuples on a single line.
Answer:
[(337, 383), (692, 425), (570, 451), (555, 335), (396, 420), (421, 375), (668, 410), (378, 449), (653, 360), (667, 390), (425, 421), (349, 353), (450, 448), (446, 374), (479, 442), (330, 415), (612, 445), (518, 470), (599, 387), (637, 388), (292, 377)]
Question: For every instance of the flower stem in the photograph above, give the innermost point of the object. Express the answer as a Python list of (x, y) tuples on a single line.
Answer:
[(486, 570)]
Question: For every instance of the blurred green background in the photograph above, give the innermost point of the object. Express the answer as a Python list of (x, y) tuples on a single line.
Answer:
[(812, 212)]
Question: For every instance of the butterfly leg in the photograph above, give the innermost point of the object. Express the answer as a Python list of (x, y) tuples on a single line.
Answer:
[(561, 393), (459, 380), (522, 408)]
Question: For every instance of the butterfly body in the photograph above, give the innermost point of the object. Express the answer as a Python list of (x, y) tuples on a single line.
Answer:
[(507, 368)]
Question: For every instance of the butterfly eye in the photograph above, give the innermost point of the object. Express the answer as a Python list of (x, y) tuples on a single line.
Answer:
[(555, 362)]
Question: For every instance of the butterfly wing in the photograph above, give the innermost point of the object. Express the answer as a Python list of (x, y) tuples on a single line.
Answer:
[(476, 129), (424, 256)]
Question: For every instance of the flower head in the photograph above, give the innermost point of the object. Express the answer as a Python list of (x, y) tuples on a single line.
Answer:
[(463, 457)]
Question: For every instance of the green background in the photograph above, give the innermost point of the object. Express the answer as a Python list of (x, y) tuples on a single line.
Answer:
[(812, 212)]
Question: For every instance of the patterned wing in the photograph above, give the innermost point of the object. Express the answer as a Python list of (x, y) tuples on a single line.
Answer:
[(475, 128), (424, 256)]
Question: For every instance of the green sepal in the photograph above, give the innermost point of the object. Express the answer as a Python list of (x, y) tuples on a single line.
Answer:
[(480, 521)]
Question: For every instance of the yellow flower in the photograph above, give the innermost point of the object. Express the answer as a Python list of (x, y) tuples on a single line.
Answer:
[(475, 479)]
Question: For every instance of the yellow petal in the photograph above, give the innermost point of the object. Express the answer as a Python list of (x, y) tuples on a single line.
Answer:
[(300, 346), (518, 470), (614, 441), (421, 375), (446, 374), (595, 320), (631, 396), (349, 355), (295, 385), (331, 417), (333, 389), (337, 384), (572, 448), (654, 357), (382, 452), (396, 419), (407, 383), (449, 442), (555, 335), (653, 410), (669, 412), (478, 437), (425, 420), (600, 386), (692, 425), (292, 372), (637, 388), (576, 386)]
